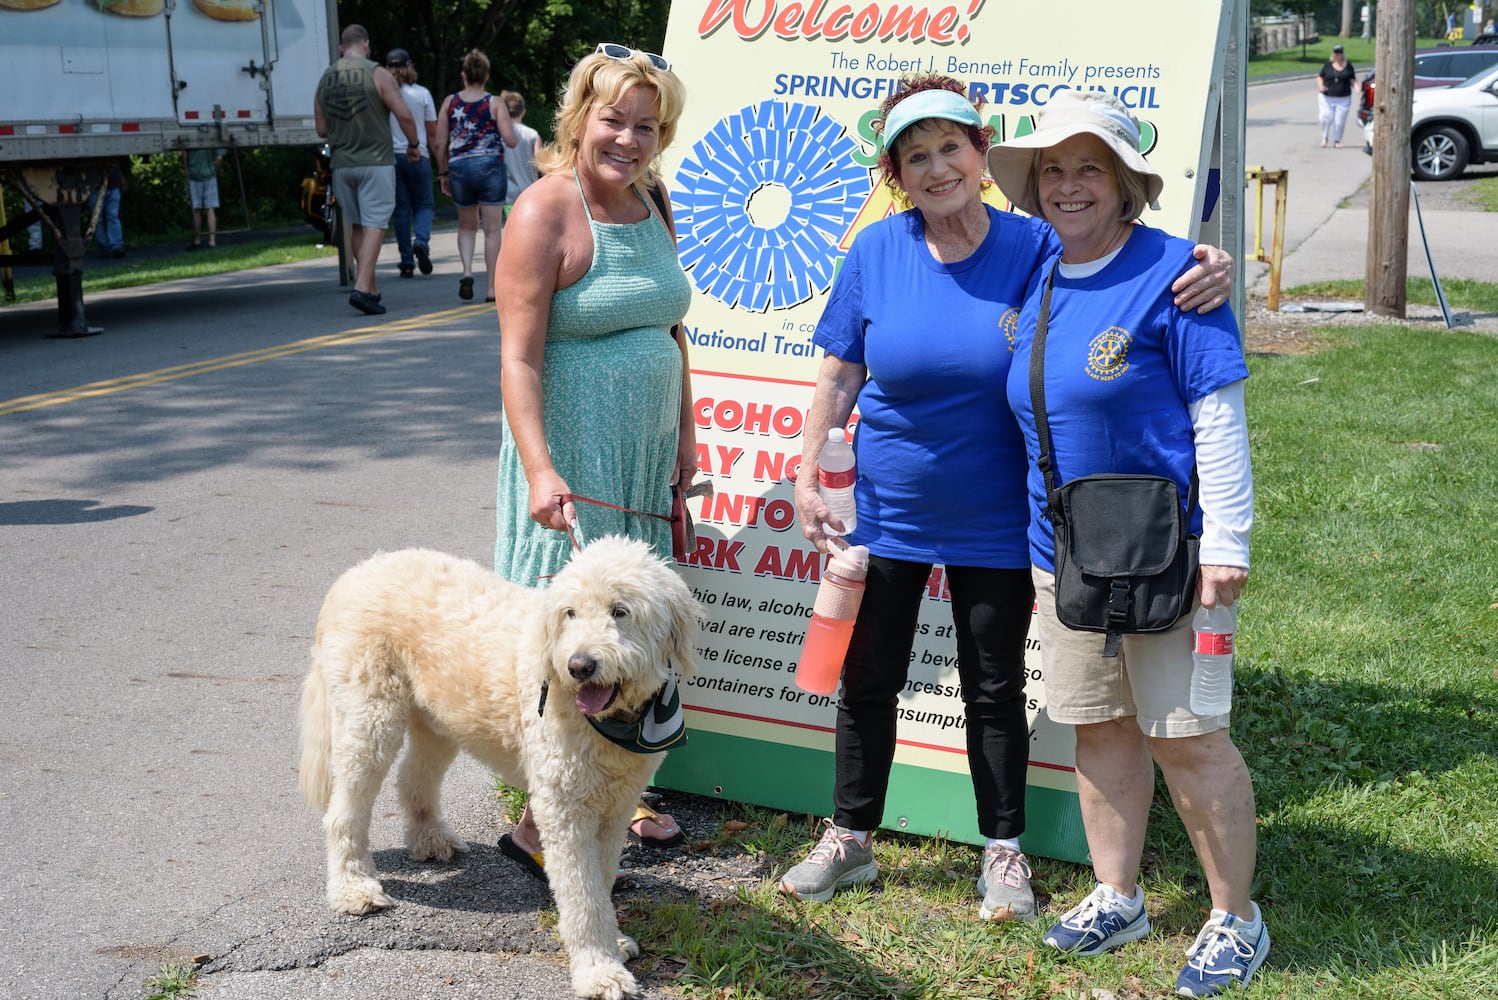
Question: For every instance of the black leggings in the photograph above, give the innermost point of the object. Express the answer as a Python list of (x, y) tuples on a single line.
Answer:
[(991, 611)]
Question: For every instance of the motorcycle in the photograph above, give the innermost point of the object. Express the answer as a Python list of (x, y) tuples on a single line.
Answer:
[(319, 207)]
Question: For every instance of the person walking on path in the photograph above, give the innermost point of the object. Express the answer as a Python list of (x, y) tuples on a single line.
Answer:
[(202, 194), (1334, 87), (350, 111), (520, 163), (413, 178), (473, 128)]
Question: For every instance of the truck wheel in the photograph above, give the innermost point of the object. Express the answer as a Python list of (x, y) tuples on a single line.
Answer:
[(1438, 154)]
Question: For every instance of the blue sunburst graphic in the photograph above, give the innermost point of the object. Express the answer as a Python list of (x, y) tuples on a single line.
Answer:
[(794, 147)]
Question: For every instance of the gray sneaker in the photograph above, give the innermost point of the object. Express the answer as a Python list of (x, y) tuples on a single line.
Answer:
[(1004, 885), (837, 861)]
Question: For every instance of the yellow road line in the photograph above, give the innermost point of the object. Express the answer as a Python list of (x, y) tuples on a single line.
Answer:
[(110, 386)]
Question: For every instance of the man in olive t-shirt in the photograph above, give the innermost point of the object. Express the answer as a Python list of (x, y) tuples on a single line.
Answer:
[(353, 99)]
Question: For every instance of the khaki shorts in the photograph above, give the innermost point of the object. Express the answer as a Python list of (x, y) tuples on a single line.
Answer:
[(1150, 679)]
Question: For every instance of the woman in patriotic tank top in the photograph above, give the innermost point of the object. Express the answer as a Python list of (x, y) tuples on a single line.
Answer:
[(471, 165)]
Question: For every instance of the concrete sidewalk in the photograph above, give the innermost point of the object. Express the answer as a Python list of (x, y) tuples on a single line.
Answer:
[(1326, 226), (1461, 244)]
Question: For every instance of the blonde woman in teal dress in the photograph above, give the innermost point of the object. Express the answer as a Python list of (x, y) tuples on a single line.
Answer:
[(596, 392)]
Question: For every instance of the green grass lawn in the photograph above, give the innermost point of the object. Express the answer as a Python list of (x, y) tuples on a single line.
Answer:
[(1360, 52), (1461, 293), (1367, 708), (150, 271), (1484, 194)]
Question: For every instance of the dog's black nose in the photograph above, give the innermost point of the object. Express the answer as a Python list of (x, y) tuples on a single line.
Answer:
[(581, 666)]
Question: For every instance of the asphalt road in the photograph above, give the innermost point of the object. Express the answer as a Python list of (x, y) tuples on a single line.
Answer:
[(177, 495)]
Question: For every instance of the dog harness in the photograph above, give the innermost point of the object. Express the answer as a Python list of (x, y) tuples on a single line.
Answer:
[(660, 725)]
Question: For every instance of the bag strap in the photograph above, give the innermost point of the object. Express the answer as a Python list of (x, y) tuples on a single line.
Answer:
[(660, 203), (1037, 389), (659, 199), (1037, 403)]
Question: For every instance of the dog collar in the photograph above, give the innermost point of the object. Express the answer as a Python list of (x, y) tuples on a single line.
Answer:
[(660, 725)]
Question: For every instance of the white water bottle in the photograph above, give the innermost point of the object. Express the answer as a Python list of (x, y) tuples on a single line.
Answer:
[(835, 478), (1212, 660)]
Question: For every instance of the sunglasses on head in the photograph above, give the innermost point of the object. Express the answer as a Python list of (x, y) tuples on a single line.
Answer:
[(616, 51)]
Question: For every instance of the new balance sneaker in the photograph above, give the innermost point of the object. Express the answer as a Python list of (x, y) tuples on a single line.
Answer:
[(1004, 885), (838, 861), (1099, 923), (1228, 950)]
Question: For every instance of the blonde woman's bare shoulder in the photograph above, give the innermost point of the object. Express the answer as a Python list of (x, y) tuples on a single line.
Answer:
[(549, 202)]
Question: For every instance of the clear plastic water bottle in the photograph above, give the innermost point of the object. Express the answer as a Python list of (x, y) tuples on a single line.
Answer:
[(835, 478), (1212, 660), (832, 617)]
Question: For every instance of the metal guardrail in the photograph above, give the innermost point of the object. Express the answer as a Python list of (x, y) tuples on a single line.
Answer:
[(1258, 177)]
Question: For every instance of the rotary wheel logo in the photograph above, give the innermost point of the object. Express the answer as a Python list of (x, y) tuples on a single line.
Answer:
[(1007, 325), (762, 202), (1108, 354)]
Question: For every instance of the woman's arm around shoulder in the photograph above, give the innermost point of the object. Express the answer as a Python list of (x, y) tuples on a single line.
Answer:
[(1207, 285)]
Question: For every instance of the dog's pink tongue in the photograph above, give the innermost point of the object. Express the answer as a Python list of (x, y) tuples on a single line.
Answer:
[(594, 698)]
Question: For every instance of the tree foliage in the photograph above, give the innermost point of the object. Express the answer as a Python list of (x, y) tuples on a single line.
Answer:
[(530, 43)]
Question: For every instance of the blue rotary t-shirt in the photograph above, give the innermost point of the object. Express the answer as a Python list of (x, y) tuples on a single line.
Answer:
[(1122, 364), (941, 465)]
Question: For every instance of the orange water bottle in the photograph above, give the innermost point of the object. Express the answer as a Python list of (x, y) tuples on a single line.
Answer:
[(832, 619)]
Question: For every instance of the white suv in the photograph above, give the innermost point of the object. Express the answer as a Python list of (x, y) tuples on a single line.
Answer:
[(1451, 127)]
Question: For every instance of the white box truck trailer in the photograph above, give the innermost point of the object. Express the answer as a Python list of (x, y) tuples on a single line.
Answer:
[(86, 81)]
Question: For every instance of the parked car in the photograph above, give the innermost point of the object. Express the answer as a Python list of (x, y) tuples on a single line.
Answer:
[(1441, 66), (1452, 127)]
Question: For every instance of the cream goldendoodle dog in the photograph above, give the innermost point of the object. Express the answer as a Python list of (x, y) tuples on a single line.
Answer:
[(568, 691)]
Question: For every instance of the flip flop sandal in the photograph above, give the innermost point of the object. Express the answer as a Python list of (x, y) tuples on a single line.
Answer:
[(645, 817), (535, 864)]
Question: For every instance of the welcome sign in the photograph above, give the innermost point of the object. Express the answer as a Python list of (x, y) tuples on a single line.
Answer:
[(773, 173)]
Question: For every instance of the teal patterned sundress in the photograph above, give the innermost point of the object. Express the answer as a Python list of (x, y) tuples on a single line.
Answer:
[(611, 393)]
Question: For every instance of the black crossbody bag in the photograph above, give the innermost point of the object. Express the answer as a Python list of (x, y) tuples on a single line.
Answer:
[(1125, 561)]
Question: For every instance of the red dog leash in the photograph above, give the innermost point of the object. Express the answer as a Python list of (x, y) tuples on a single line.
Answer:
[(567, 498)]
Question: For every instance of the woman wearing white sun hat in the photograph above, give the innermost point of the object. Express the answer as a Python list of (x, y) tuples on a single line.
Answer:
[(1134, 385), (915, 333)]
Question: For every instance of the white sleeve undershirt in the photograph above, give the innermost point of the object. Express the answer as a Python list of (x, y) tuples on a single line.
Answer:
[(1226, 491)]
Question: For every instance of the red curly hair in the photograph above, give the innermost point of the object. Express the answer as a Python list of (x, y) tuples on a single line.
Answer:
[(980, 136)]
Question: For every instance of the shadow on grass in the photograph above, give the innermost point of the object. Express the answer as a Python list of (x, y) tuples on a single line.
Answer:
[(741, 946), (1371, 801)]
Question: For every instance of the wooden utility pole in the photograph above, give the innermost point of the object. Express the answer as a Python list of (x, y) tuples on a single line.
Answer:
[(1389, 194)]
